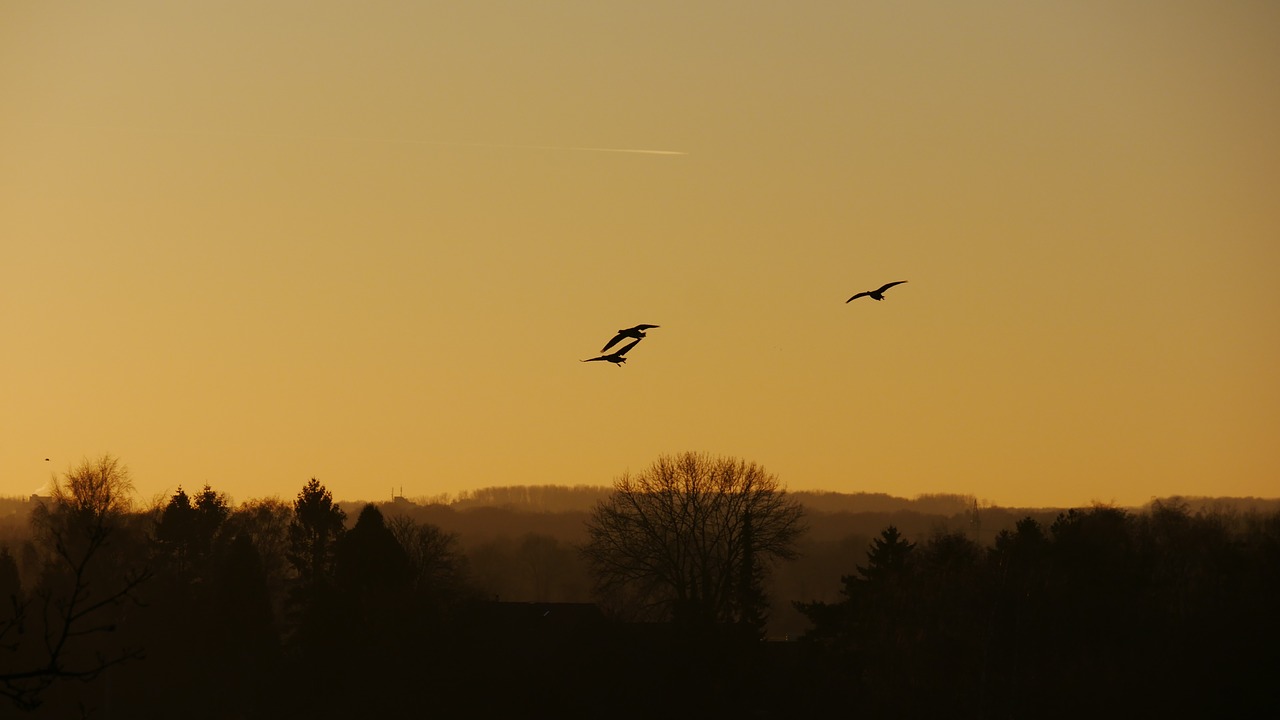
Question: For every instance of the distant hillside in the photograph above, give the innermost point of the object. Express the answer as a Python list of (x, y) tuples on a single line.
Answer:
[(533, 498), (559, 511), (583, 498), (1198, 503), (862, 502), (561, 498)]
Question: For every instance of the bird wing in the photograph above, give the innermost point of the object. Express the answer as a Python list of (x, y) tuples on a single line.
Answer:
[(886, 286), (613, 342), (855, 297), (643, 327), (593, 359), (625, 348)]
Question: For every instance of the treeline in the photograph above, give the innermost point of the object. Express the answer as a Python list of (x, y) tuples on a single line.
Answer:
[(1162, 613), (565, 498), (531, 498), (516, 548), (313, 608), (864, 502)]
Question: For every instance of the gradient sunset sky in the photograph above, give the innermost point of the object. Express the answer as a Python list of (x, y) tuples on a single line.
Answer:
[(250, 243)]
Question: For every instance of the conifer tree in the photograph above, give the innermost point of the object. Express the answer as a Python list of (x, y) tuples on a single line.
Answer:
[(317, 524)]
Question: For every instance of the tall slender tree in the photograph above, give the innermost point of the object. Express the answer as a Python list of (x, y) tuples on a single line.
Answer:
[(317, 524), (174, 535), (211, 510)]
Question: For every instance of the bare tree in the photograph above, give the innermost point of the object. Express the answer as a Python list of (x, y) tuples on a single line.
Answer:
[(437, 567), (86, 578), (677, 540)]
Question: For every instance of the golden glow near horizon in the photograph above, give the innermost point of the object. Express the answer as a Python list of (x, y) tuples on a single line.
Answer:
[(256, 242)]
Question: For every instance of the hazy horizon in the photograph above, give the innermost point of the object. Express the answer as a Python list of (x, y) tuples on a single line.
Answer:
[(554, 498), (254, 243)]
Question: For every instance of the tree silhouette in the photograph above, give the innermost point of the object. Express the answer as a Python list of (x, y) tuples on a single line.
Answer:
[(10, 582), (752, 606), (266, 522), (1019, 576), (175, 534), (211, 511), (317, 524), (672, 542), (942, 649), (1154, 614), (85, 582), (875, 602), (886, 560), (1166, 611), (11, 601), (438, 573), (368, 559), (240, 645)]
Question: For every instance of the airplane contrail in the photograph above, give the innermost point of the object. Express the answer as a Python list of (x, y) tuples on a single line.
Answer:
[(397, 141), (385, 141)]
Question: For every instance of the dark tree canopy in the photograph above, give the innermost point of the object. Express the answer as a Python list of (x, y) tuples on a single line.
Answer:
[(175, 534), (887, 557), (1162, 612), (317, 524), (10, 583), (266, 523), (438, 569), (174, 526), (88, 577), (211, 510), (368, 558), (689, 538)]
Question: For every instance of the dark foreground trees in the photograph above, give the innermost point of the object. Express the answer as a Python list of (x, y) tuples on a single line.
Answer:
[(317, 525), (1106, 612), (689, 539), (438, 570), (57, 632)]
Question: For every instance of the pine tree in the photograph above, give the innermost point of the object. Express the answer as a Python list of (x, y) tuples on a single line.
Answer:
[(175, 533), (317, 525), (886, 559)]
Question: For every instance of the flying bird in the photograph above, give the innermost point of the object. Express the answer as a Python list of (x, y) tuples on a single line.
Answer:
[(616, 357), (877, 294), (636, 332)]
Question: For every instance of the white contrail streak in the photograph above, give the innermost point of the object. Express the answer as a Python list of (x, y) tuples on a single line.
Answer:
[(383, 141), (636, 151)]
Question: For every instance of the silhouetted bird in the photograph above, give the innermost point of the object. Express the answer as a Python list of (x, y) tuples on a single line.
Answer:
[(636, 332), (616, 357), (876, 294)]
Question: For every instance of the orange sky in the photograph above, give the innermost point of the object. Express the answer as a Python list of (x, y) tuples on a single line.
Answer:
[(248, 243)]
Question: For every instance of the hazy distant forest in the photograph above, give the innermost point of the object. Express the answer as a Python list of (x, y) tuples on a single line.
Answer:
[(731, 599)]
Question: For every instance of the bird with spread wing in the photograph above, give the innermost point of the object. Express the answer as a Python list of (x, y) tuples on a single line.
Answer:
[(877, 294), (636, 332), (615, 357)]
